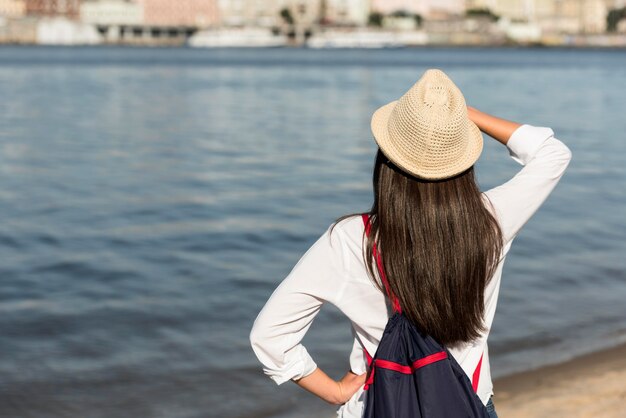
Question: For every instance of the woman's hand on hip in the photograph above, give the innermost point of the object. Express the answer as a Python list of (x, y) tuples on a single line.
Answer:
[(349, 385), (328, 389)]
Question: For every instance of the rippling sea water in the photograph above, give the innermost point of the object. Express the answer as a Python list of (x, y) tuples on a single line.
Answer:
[(152, 199)]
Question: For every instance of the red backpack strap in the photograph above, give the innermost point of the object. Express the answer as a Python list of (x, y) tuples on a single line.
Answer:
[(476, 374), (396, 302)]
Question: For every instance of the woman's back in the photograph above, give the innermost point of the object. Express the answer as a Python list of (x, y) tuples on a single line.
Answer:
[(333, 270)]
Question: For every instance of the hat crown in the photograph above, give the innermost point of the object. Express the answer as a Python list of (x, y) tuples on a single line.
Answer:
[(429, 123), (427, 132)]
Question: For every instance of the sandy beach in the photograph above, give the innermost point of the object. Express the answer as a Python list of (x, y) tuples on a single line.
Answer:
[(593, 385)]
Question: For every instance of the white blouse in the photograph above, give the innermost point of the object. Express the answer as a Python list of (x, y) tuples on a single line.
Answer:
[(332, 270)]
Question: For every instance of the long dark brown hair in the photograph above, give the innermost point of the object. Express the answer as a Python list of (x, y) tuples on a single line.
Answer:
[(439, 246)]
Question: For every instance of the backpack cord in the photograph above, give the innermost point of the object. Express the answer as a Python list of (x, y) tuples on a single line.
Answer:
[(395, 301)]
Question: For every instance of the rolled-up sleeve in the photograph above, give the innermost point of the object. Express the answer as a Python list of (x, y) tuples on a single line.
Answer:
[(545, 159), (278, 329)]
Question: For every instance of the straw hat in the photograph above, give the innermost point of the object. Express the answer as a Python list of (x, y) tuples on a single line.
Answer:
[(427, 132)]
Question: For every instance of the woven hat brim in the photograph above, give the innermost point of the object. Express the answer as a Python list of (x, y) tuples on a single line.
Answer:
[(380, 131)]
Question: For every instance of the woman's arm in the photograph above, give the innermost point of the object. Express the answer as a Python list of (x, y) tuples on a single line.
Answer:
[(276, 334), (544, 157), (497, 128)]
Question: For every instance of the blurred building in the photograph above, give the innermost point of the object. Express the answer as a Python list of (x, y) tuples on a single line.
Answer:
[(192, 13), (426, 8), (12, 8), (54, 30), (552, 16), (111, 12), (147, 22), (64, 8), (390, 6), (258, 13), (345, 12), (269, 13), (406, 23), (304, 13)]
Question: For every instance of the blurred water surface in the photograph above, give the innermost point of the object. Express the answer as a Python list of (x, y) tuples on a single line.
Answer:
[(152, 199)]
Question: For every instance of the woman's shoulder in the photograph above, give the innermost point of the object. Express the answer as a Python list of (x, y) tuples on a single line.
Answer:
[(346, 240), (351, 226), (347, 235)]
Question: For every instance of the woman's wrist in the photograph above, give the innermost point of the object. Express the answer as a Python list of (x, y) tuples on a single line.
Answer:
[(498, 128), (341, 397), (320, 384)]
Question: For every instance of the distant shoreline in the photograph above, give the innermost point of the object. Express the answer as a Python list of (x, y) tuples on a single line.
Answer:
[(431, 46), (589, 385)]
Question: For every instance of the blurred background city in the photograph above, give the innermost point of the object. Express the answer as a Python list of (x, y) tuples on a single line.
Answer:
[(314, 23)]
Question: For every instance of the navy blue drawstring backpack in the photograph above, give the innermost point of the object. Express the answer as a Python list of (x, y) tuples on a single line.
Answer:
[(413, 376)]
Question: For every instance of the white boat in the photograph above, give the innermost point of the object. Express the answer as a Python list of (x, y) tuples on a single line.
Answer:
[(354, 39), (62, 31), (249, 37)]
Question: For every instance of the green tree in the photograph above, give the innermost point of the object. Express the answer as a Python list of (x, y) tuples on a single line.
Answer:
[(418, 19), (613, 17), (400, 13), (285, 13), (375, 19), (482, 11)]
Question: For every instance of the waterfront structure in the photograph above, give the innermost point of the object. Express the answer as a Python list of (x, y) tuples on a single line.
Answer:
[(149, 21), (251, 13), (66, 8), (405, 23), (305, 13), (111, 12), (345, 12), (59, 30), (237, 37), (425, 8), (236, 22), (187, 13), (116, 20), (268, 13), (12, 8), (387, 7), (552, 16)]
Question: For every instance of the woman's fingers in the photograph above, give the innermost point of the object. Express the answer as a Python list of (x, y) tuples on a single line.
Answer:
[(351, 383)]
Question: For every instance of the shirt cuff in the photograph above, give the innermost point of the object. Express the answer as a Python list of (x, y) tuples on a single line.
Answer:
[(303, 366), (526, 140)]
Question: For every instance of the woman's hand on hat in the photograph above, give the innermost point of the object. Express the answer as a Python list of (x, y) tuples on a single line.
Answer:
[(349, 385), (497, 128)]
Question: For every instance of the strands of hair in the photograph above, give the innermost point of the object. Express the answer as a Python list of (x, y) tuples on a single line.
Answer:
[(439, 246)]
